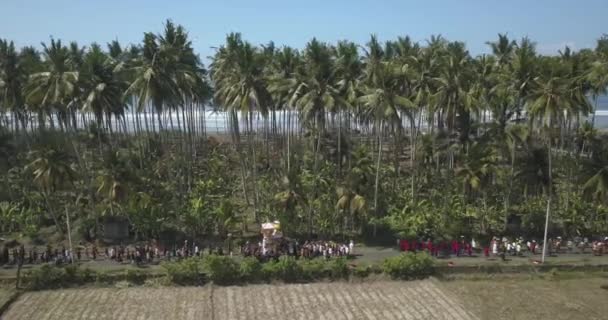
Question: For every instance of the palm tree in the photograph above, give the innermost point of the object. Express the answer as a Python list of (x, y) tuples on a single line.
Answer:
[(597, 186), (383, 102), (547, 102), (53, 90), (503, 49), (478, 165), (102, 89), (316, 89), (351, 202), (348, 70), (598, 80), (51, 171), (522, 72), (453, 91), (289, 199), (240, 87), (151, 82), (425, 67), (12, 81), (281, 86)]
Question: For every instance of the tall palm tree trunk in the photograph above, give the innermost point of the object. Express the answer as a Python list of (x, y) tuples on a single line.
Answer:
[(549, 196), (254, 168), (237, 144), (378, 174)]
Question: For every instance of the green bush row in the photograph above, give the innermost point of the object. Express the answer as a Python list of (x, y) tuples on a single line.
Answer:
[(48, 276), (408, 266), (225, 270)]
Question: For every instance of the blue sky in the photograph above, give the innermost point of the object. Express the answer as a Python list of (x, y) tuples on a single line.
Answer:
[(550, 23)]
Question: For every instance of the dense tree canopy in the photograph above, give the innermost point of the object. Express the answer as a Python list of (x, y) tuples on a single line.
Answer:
[(418, 139)]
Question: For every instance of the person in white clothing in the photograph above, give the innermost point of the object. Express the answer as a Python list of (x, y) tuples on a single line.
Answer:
[(351, 247)]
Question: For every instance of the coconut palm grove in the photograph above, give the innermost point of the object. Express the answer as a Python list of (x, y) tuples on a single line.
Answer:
[(384, 139), (325, 160), (150, 164)]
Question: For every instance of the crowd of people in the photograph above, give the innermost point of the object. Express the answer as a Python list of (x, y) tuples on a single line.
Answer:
[(504, 246), (454, 247), (138, 254), (21, 255), (308, 249), (497, 247)]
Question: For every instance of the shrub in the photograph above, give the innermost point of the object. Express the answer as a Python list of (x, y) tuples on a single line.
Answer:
[(269, 270), (376, 269), (313, 269), (46, 277), (286, 269), (135, 276), (71, 273), (221, 269), (409, 265), (362, 271), (338, 268), (103, 278), (250, 270), (87, 275), (184, 272)]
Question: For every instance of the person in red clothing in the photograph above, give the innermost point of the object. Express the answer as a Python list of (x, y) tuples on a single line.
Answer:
[(533, 246), (455, 247), (486, 251), (468, 249), (462, 246), (443, 247), (405, 245)]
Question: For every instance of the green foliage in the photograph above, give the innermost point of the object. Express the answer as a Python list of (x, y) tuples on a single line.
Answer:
[(135, 276), (45, 277), (468, 174), (184, 272), (222, 270), (103, 278), (313, 269), (409, 265), (286, 269), (365, 270), (49, 277), (250, 270), (338, 268)]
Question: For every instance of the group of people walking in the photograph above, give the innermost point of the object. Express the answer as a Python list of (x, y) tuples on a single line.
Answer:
[(503, 247), (308, 249), (454, 247), (138, 254), (21, 255)]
